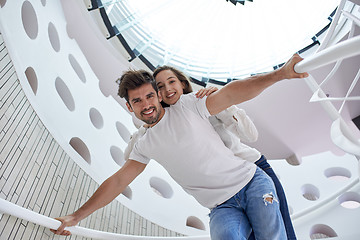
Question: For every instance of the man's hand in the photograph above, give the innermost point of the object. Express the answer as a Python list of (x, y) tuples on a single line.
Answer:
[(66, 221), (107, 192), (288, 68)]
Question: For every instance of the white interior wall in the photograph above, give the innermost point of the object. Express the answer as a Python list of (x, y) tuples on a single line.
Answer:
[(96, 60), (47, 53)]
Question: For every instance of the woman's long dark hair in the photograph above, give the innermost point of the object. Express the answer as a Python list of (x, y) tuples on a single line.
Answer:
[(180, 75)]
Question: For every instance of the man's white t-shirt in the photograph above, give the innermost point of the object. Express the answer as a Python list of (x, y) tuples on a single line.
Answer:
[(187, 146)]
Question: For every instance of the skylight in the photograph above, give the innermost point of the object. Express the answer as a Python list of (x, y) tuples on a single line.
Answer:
[(215, 39)]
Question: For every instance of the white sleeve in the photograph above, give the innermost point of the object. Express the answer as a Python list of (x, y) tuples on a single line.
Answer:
[(133, 139), (197, 105), (237, 122), (137, 156)]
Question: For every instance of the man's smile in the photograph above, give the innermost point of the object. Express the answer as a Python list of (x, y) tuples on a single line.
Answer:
[(148, 111)]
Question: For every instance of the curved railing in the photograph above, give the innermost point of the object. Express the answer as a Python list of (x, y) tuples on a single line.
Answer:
[(342, 50), (341, 133), (28, 215)]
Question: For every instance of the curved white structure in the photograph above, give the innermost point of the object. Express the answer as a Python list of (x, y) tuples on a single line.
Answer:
[(67, 71)]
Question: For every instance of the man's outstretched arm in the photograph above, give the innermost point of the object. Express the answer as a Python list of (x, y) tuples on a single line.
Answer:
[(107, 192), (240, 91)]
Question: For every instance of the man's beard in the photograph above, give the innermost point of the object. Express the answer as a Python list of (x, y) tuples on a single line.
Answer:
[(153, 119)]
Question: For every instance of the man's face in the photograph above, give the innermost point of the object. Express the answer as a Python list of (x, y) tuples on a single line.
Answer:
[(145, 104)]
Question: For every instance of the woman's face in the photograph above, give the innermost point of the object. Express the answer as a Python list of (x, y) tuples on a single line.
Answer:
[(170, 87)]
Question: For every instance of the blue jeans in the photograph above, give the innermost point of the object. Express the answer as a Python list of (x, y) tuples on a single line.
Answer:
[(265, 166), (254, 208)]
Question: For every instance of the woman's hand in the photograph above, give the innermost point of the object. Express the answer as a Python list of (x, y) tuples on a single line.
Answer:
[(205, 92)]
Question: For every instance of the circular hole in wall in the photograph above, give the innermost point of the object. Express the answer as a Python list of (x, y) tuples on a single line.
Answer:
[(29, 20), (350, 200), (80, 147), (123, 131), (320, 231), (2, 3), (161, 187), (69, 31), (337, 173), (127, 192), (43, 2), (96, 118), (54, 37), (64, 94), (310, 192), (77, 68), (195, 222), (117, 155), (32, 79)]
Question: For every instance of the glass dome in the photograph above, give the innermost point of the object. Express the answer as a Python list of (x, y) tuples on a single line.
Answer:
[(216, 40)]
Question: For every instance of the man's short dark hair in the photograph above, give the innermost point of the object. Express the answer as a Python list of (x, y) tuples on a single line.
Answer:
[(133, 79)]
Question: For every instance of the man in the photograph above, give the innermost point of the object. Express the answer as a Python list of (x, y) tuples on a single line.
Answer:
[(241, 197)]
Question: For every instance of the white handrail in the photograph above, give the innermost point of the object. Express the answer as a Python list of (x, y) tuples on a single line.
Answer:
[(332, 27), (342, 50), (353, 18), (341, 134), (28, 215)]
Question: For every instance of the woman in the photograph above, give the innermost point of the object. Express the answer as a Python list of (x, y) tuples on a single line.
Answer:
[(232, 125)]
